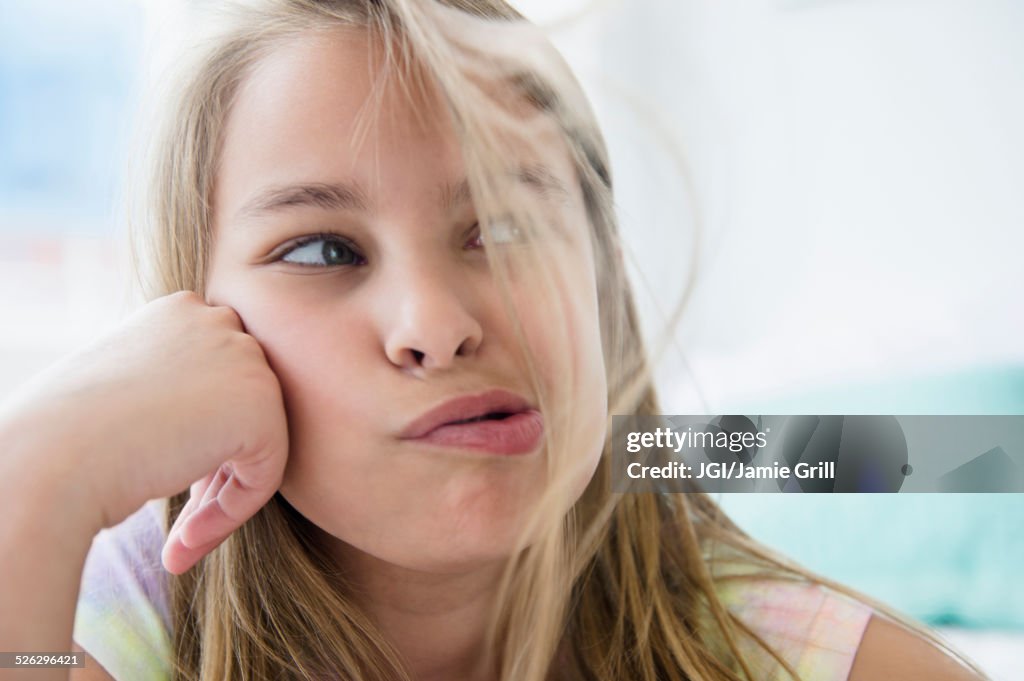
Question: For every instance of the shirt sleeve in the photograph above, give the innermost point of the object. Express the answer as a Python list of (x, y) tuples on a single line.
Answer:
[(121, 618), (814, 628)]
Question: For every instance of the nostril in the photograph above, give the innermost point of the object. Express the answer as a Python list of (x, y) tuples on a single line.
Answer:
[(466, 347), (418, 356)]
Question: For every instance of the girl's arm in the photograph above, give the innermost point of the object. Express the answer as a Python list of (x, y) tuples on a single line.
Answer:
[(179, 395), (888, 651), (46, 529)]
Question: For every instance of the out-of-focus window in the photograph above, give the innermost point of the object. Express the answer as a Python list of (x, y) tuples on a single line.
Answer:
[(69, 74)]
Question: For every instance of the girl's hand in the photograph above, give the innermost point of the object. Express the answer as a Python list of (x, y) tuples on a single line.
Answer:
[(178, 395)]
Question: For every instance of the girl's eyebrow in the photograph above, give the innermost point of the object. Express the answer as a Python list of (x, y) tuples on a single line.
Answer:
[(329, 195), (541, 179), (536, 176), (350, 196)]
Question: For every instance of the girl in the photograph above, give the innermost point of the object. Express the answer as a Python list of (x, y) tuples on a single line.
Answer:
[(389, 323)]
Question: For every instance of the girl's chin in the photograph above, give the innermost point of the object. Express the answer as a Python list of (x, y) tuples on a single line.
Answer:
[(420, 550), (468, 554)]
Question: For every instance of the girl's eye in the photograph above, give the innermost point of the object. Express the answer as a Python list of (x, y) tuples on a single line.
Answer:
[(502, 232), (322, 250)]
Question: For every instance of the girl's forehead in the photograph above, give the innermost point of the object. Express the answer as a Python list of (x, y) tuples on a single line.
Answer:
[(331, 82), (315, 109), (312, 109)]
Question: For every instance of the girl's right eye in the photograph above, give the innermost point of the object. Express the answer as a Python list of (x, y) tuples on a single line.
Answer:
[(322, 250)]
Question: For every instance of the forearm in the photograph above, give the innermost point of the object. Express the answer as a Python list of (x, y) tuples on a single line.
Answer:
[(45, 536)]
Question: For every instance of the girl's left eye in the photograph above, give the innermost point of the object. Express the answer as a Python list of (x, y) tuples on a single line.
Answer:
[(322, 250), (502, 232)]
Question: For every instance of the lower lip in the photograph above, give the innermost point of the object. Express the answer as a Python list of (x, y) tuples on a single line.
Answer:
[(516, 434)]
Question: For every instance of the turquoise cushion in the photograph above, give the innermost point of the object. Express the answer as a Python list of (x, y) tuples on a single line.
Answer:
[(947, 559)]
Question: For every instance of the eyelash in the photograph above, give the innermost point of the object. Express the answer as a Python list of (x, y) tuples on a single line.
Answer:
[(331, 237), (327, 237)]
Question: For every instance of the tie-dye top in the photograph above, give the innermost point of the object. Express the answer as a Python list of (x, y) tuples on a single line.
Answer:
[(122, 619), (122, 616)]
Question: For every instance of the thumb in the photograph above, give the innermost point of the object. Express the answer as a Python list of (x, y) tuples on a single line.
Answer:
[(219, 504)]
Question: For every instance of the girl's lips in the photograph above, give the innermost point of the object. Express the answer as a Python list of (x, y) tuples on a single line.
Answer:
[(466, 407), (519, 433)]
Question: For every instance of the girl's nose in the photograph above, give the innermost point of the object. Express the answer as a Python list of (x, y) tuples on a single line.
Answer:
[(429, 322)]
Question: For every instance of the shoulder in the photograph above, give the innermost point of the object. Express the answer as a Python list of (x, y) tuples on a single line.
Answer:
[(889, 651), (828, 636), (122, 618), (813, 628)]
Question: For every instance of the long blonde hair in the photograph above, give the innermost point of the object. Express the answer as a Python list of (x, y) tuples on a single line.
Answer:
[(623, 586)]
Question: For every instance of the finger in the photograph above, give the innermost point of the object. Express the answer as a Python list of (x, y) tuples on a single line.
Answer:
[(196, 493), (198, 488), (220, 476), (177, 558), (172, 545), (193, 501), (223, 513), (240, 491)]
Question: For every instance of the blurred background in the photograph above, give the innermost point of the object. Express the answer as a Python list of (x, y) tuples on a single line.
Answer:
[(841, 180)]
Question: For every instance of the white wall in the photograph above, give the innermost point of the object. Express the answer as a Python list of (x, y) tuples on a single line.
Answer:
[(858, 170)]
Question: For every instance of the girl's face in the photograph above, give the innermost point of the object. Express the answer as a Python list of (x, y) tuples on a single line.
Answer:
[(395, 310)]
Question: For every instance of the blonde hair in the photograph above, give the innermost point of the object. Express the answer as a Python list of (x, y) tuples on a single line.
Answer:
[(623, 586)]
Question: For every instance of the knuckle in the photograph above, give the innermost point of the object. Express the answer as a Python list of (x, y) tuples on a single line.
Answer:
[(250, 347), (255, 372), (178, 304), (226, 314), (183, 297)]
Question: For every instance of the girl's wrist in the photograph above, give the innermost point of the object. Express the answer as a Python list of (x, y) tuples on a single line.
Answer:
[(42, 473)]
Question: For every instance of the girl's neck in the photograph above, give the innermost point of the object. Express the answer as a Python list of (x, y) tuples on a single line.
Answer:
[(437, 622)]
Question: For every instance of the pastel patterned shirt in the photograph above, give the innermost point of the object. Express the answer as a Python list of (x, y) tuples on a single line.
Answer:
[(122, 616), (814, 628)]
